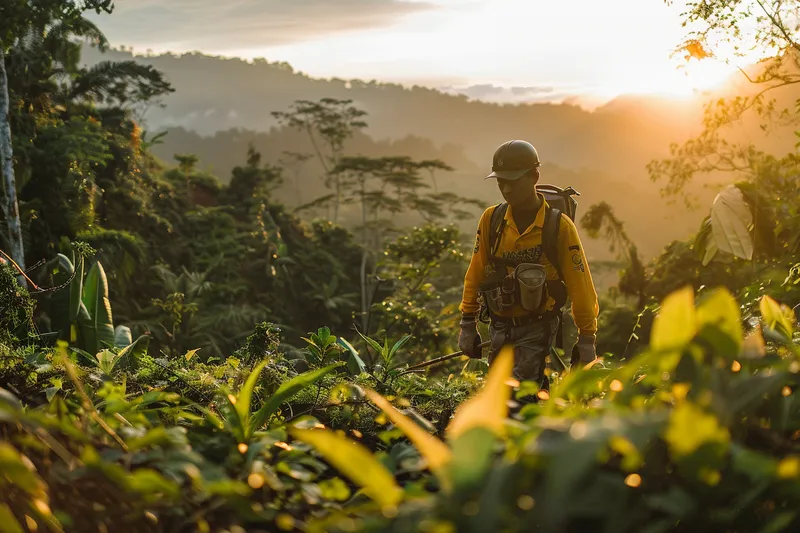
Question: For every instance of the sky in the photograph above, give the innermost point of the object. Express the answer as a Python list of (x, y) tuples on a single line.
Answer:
[(528, 49)]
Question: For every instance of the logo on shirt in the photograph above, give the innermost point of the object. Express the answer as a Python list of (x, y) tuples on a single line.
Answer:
[(577, 261), (530, 255)]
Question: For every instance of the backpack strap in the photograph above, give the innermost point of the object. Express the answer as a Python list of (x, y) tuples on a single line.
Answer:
[(556, 287), (496, 225), (552, 225)]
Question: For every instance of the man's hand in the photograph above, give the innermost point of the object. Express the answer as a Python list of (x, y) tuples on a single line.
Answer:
[(584, 351), (469, 341)]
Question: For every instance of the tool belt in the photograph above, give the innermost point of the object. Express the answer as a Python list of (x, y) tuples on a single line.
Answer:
[(525, 287), (502, 322)]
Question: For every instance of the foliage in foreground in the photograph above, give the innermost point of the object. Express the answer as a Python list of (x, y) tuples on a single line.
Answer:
[(697, 433)]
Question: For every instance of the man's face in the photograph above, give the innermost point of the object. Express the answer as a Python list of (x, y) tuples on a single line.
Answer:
[(520, 192)]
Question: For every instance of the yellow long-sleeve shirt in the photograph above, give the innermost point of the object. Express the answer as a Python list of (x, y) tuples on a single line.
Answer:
[(527, 248)]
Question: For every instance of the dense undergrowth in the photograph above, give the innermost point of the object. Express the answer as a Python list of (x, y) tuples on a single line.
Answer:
[(696, 433)]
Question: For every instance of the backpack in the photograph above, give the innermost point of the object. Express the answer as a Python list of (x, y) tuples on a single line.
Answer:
[(558, 201)]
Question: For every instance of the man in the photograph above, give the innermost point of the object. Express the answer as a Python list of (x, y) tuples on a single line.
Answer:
[(519, 240)]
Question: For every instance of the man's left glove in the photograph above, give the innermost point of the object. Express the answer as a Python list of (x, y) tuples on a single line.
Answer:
[(584, 351)]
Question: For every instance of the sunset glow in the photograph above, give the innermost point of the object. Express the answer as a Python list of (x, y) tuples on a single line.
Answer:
[(590, 48)]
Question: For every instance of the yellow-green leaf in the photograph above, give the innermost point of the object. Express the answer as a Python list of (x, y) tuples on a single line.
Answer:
[(246, 393), (690, 427), (435, 452), (489, 407), (777, 317), (354, 461), (676, 323), (10, 524), (720, 309)]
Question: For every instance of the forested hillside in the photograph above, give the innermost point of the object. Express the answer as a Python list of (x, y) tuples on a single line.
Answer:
[(221, 105), (218, 329)]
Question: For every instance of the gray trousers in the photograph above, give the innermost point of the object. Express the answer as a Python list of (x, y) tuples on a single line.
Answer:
[(531, 343)]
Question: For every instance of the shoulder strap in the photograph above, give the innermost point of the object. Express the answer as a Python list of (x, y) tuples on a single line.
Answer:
[(495, 226), (552, 224), (557, 288)]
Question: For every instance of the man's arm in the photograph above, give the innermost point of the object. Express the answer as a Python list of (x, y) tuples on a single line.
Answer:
[(577, 278), (475, 271)]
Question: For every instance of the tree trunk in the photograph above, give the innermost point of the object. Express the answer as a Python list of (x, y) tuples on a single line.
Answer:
[(10, 205), (364, 304)]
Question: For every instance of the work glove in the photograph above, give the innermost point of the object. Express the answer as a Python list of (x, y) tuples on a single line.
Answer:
[(469, 341), (583, 352)]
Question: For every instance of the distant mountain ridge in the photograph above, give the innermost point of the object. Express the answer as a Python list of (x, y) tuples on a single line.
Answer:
[(221, 105), (214, 94)]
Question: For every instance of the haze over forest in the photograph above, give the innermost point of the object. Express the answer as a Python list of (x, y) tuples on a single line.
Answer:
[(221, 105)]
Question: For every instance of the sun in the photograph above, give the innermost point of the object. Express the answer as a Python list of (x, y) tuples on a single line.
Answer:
[(699, 71), (673, 80), (698, 75)]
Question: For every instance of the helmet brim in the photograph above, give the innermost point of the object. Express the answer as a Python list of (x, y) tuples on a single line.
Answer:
[(508, 174)]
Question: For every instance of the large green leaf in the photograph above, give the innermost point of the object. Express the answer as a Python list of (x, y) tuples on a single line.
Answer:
[(355, 365), (245, 395), (98, 330), (129, 357), (731, 219), (399, 344), (472, 454), (76, 289), (356, 462), (286, 391), (65, 303)]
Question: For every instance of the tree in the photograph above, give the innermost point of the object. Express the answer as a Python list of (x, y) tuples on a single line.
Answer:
[(754, 217), (330, 121), (72, 133), (393, 184), (728, 31), (187, 164), (295, 161), (18, 18), (600, 218), (10, 204), (432, 166), (37, 40)]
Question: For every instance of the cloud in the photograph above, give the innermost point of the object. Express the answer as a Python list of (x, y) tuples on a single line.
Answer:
[(507, 95), (240, 24), (523, 91)]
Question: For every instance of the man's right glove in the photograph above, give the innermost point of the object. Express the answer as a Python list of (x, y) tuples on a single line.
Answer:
[(584, 351), (469, 341)]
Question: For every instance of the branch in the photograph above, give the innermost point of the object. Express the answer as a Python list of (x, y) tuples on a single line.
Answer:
[(21, 272), (779, 24)]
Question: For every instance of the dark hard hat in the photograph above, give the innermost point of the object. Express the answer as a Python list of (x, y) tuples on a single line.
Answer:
[(513, 159)]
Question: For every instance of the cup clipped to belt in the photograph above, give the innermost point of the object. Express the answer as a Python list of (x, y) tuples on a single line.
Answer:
[(531, 278)]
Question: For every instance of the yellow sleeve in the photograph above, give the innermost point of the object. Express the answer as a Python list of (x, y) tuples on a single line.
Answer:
[(475, 272), (577, 278)]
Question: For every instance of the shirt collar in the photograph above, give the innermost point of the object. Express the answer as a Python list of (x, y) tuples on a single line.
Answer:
[(538, 221)]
